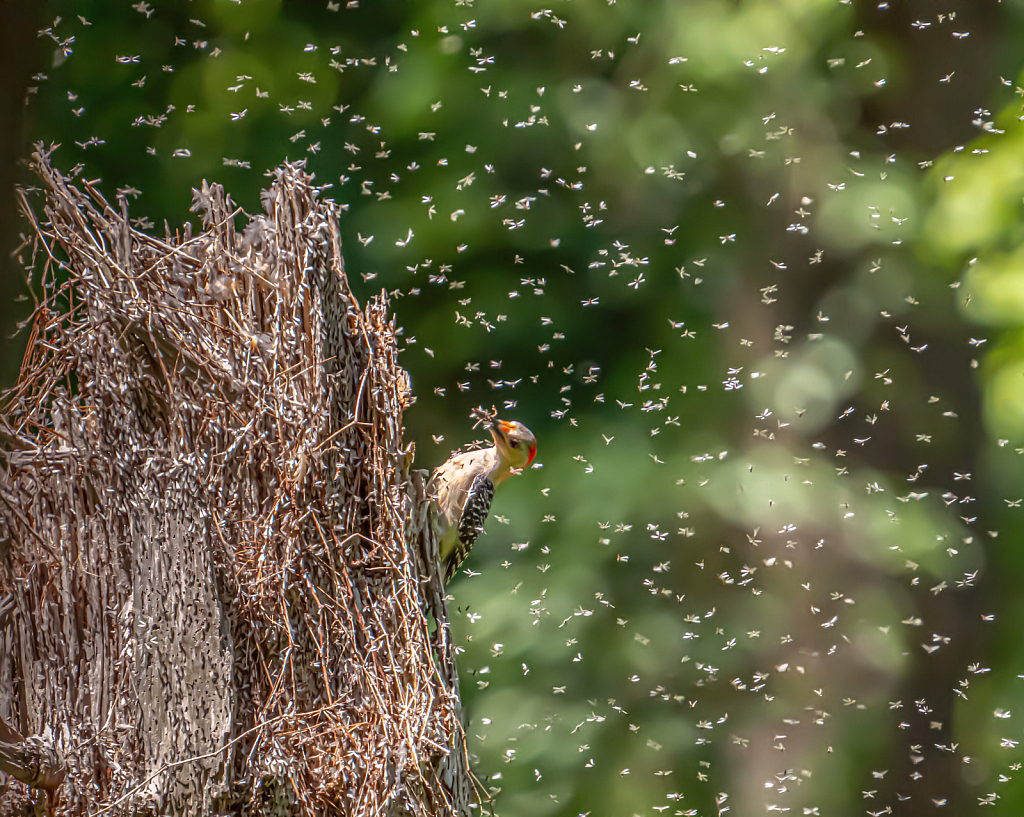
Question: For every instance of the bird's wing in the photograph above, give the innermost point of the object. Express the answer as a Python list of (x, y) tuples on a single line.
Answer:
[(471, 524), (452, 482)]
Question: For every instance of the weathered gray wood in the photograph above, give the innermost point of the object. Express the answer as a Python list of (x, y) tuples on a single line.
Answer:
[(215, 588)]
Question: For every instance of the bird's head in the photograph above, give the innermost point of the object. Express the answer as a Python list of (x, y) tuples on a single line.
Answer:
[(515, 442)]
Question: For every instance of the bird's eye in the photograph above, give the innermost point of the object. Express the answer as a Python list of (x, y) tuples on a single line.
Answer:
[(514, 443)]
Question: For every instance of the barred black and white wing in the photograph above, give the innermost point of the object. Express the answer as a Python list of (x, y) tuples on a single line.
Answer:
[(471, 523)]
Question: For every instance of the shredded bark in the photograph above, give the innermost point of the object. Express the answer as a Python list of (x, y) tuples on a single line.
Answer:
[(217, 581)]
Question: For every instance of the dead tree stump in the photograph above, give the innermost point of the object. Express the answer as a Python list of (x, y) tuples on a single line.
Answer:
[(216, 590)]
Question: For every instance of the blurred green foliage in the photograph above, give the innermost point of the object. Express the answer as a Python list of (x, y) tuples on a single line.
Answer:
[(749, 270)]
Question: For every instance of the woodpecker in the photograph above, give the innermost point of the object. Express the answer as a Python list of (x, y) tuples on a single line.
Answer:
[(463, 487)]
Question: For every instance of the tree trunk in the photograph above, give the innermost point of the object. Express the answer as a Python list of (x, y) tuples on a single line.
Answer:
[(217, 582)]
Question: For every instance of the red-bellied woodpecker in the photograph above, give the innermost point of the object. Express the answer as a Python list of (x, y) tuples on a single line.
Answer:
[(463, 487)]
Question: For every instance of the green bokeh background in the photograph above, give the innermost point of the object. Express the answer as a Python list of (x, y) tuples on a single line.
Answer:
[(686, 238)]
